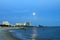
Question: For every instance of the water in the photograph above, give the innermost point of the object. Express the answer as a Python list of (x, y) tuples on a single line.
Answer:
[(49, 33)]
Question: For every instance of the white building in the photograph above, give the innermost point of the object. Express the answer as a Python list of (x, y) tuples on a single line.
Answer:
[(5, 23)]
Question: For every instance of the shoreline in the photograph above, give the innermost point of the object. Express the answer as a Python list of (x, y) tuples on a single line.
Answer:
[(5, 35)]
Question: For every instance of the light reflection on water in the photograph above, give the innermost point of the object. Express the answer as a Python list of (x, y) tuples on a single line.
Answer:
[(42, 33)]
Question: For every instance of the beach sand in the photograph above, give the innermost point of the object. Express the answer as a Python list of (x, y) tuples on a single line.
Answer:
[(5, 35)]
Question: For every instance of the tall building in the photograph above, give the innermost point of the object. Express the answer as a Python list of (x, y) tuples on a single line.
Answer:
[(27, 23)]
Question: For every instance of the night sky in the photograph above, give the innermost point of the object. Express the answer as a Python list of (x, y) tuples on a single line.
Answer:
[(20, 11)]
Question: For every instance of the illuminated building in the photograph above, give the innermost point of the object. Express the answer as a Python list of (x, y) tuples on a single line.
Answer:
[(19, 24), (27, 24), (5, 23)]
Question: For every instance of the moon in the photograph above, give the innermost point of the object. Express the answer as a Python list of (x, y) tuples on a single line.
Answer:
[(34, 14)]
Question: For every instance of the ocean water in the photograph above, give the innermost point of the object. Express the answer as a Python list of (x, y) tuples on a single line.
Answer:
[(45, 33)]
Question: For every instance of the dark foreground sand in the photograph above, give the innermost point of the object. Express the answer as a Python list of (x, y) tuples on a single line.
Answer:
[(4, 35)]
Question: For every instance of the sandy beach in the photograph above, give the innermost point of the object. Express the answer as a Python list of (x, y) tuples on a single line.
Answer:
[(5, 35)]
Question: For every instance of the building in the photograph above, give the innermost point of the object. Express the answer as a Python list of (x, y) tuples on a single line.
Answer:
[(6, 23), (19, 24), (27, 24), (24, 24)]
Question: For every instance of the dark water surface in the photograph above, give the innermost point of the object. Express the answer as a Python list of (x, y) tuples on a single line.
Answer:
[(46, 33)]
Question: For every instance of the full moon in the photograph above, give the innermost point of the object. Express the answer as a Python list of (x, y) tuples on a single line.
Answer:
[(34, 14)]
